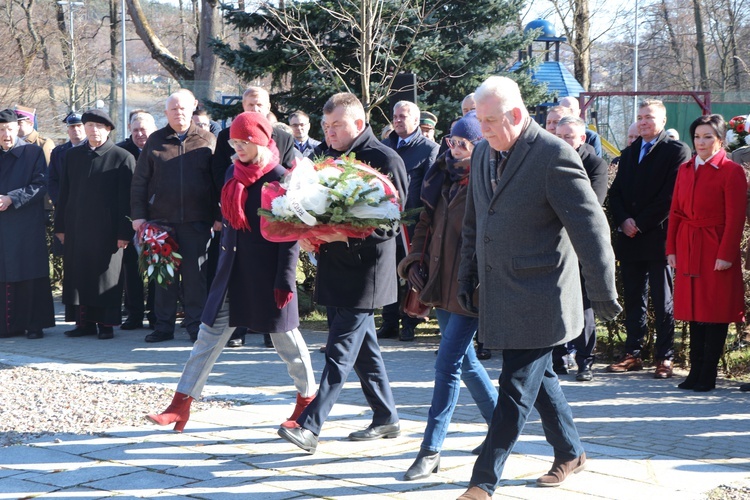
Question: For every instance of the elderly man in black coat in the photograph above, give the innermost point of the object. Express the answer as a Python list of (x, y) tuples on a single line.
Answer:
[(354, 277), (24, 262), (92, 221)]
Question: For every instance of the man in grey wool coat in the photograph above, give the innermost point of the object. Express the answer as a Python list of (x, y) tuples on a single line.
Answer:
[(531, 215)]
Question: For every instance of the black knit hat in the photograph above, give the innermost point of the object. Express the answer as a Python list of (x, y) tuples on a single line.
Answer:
[(8, 116), (97, 116)]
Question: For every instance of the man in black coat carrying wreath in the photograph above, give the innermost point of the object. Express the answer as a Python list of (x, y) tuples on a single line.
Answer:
[(354, 277)]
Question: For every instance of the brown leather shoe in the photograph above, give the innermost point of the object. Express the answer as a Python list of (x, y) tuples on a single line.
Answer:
[(628, 364), (663, 369), (561, 470), (475, 493)]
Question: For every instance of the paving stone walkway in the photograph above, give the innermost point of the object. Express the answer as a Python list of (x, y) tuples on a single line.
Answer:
[(645, 438)]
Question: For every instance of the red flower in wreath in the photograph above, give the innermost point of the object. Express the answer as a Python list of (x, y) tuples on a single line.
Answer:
[(166, 250)]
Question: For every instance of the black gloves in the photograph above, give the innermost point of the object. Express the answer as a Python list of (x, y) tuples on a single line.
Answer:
[(466, 295)]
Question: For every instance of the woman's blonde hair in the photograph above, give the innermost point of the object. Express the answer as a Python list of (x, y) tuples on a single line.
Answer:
[(263, 157)]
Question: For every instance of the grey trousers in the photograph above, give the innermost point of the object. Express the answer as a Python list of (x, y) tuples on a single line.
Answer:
[(290, 347)]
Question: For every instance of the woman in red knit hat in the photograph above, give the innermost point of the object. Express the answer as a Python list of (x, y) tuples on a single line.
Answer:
[(255, 278)]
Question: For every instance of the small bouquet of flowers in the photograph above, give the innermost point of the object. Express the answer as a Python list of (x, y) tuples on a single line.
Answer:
[(157, 253), (737, 134), (330, 196)]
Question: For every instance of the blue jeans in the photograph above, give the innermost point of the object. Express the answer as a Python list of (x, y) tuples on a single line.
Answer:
[(527, 381), (456, 361)]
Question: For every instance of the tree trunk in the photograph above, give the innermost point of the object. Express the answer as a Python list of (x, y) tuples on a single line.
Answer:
[(159, 51), (582, 43), (205, 60), (113, 73), (700, 45), (732, 39)]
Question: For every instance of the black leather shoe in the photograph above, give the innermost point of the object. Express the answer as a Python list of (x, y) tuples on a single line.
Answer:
[(106, 332), (585, 375), (300, 437), (235, 343), (386, 431), (484, 354), (560, 369), (584, 371), (267, 340), (35, 334), (157, 336), (424, 465), (407, 334), (387, 332), (131, 324), (745, 387), (81, 330)]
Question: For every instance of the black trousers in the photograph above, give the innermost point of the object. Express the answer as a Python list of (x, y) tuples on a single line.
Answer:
[(192, 237), (352, 344), (136, 302), (638, 279)]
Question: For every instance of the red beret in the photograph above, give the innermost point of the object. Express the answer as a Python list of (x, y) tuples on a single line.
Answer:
[(253, 127)]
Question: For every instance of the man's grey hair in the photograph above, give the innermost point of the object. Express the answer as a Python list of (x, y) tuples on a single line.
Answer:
[(413, 108), (504, 89), (181, 94), (142, 116), (573, 121)]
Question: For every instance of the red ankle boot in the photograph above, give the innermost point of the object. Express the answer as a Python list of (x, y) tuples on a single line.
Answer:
[(302, 403), (178, 412)]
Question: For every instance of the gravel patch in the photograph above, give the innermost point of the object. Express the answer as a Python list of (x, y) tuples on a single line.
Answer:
[(729, 493), (45, 402)]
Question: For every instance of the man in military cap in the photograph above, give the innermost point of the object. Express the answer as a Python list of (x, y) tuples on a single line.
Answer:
[(427, 122), (76, 136), (26, 117)]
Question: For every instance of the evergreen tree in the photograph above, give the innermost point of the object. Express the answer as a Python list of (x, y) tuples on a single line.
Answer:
[(312, 49)]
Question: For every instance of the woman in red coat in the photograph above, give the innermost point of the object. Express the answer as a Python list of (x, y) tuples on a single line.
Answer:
[(703, 246)]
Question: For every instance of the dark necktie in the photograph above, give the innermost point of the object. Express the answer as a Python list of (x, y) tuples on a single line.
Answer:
[(645, 149), (401, 144)]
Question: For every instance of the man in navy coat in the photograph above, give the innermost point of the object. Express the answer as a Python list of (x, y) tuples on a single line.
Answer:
[(354, 277)]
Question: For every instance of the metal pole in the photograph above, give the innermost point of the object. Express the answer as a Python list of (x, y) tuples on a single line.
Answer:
[(124, 75), (635, 65)]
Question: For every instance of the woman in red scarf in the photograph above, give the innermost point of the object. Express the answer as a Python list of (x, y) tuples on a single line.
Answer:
[(703, 247), (255, 278)]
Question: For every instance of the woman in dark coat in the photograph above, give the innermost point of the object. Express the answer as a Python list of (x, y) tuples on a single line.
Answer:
[(437, 241), (703, 246), (255, 281), (92, 221), (24, 261)]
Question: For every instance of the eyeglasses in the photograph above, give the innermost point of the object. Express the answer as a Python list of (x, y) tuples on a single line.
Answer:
[(238, 144), (452, 143)]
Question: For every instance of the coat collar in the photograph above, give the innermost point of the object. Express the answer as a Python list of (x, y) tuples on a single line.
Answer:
[(103, 149), (518, 154), (17, 149), (717, 161), (171, 134)]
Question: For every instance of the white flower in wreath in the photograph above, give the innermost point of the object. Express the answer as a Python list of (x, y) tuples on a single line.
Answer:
[(328, 175), (280, 207), (747, 139), (385, 210), (377, 195), (314, 197), (731, 137)]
